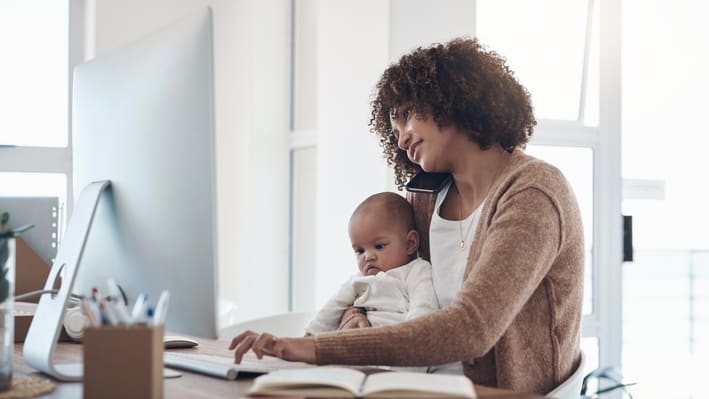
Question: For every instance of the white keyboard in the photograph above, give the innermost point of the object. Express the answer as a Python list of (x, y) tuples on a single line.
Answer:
[(224, 367)]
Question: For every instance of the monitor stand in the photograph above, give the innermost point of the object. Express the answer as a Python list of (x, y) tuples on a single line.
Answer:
[(47, 321)]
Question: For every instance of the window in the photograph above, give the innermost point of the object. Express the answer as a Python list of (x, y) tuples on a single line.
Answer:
[(546, 44), (555, 49), (34, 37), (35, 151), (666, 287)]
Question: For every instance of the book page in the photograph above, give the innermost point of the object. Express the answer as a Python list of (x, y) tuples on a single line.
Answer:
[(411, 385), (310, 380)]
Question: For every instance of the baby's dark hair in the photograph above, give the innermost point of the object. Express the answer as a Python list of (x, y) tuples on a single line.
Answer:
[(397, 206), (461, 83)]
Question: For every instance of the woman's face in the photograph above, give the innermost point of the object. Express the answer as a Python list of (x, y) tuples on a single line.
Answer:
[(426, 144)]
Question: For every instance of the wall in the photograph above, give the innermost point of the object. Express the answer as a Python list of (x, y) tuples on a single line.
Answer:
[(352, 50), (418, 23), (252, 79)]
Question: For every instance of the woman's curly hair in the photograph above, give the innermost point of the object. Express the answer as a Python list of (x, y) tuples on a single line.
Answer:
[(461, 83)]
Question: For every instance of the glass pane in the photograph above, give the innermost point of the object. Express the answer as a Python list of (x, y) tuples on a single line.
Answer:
[(589, 346), (18, 184), (591, 99), (543, 42), (576, 163), (304, 162), (666, 288), (43, 238), (305, 66), (34, 73), (665, 297)]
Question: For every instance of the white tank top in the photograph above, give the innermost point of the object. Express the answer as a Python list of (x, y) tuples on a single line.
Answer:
[(447, 258), (448, 261)]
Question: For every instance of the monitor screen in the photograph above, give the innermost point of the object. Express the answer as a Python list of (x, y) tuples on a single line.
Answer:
[(143, 118)]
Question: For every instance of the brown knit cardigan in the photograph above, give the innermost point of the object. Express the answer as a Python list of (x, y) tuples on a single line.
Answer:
[(515, 323)]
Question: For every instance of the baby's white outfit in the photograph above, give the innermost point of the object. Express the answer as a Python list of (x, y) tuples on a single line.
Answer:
[(390, 297)]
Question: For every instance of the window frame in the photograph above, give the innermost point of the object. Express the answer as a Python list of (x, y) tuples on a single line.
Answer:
[(605, 321), (31, 159)]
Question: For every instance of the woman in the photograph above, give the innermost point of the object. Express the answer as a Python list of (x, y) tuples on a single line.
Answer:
[(506, 240)]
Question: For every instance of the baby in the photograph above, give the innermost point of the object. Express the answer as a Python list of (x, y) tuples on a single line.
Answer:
[(393, 285)]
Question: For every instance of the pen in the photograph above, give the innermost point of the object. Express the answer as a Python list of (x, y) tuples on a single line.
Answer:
[(138, 312), (107, 312), (161, 308), (145, 319), (86, 308), (113, 290), (117, 305), (119, 311)]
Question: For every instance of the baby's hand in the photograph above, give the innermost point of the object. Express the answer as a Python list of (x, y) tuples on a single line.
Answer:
[(354, 317)]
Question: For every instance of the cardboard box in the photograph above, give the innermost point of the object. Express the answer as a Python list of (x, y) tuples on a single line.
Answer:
[(31, 270), (123, 362)]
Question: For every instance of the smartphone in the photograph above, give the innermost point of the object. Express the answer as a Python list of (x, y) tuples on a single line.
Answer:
[(423, 182)]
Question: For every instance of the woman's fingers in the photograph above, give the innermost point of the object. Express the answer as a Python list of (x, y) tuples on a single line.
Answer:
[(243, 346), (292, 349), (239, 338), (264, 345), (260, 344)]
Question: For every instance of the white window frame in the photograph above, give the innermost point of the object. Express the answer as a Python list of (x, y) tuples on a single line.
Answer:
[(605, 322), (26, 159)]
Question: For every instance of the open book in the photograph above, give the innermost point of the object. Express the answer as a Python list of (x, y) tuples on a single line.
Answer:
[(341, 382)]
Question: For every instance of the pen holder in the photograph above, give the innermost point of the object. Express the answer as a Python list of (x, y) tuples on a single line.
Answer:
[(123, 362)]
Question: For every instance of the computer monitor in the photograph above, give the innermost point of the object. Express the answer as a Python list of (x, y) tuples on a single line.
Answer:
[(143, 118)]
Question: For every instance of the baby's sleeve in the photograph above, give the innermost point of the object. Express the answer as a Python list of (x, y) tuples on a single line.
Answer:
[(328, 318)]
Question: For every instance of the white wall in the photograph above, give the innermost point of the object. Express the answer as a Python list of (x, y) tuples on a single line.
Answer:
[(252, 79), (419, 23), (352, 51)]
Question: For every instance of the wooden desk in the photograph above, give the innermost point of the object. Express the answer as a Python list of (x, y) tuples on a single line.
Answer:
[(192, 385)]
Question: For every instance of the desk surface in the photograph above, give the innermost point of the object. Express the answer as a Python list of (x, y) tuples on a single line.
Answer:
[(192, 385)]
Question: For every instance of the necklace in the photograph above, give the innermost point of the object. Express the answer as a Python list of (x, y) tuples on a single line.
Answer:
[(461, 244)]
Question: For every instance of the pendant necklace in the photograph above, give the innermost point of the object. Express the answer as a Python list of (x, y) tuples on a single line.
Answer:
[(461, 244)]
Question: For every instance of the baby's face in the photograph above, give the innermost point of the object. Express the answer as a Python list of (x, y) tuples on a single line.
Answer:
[(379, 244)]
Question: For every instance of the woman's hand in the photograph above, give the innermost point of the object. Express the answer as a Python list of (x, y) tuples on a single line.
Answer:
[(291, 349), (354, 317)]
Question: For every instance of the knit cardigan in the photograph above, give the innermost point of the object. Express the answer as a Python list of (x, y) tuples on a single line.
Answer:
[(515, 322)]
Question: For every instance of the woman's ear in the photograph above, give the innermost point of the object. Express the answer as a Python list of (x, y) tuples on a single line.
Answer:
[(412, 242)]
